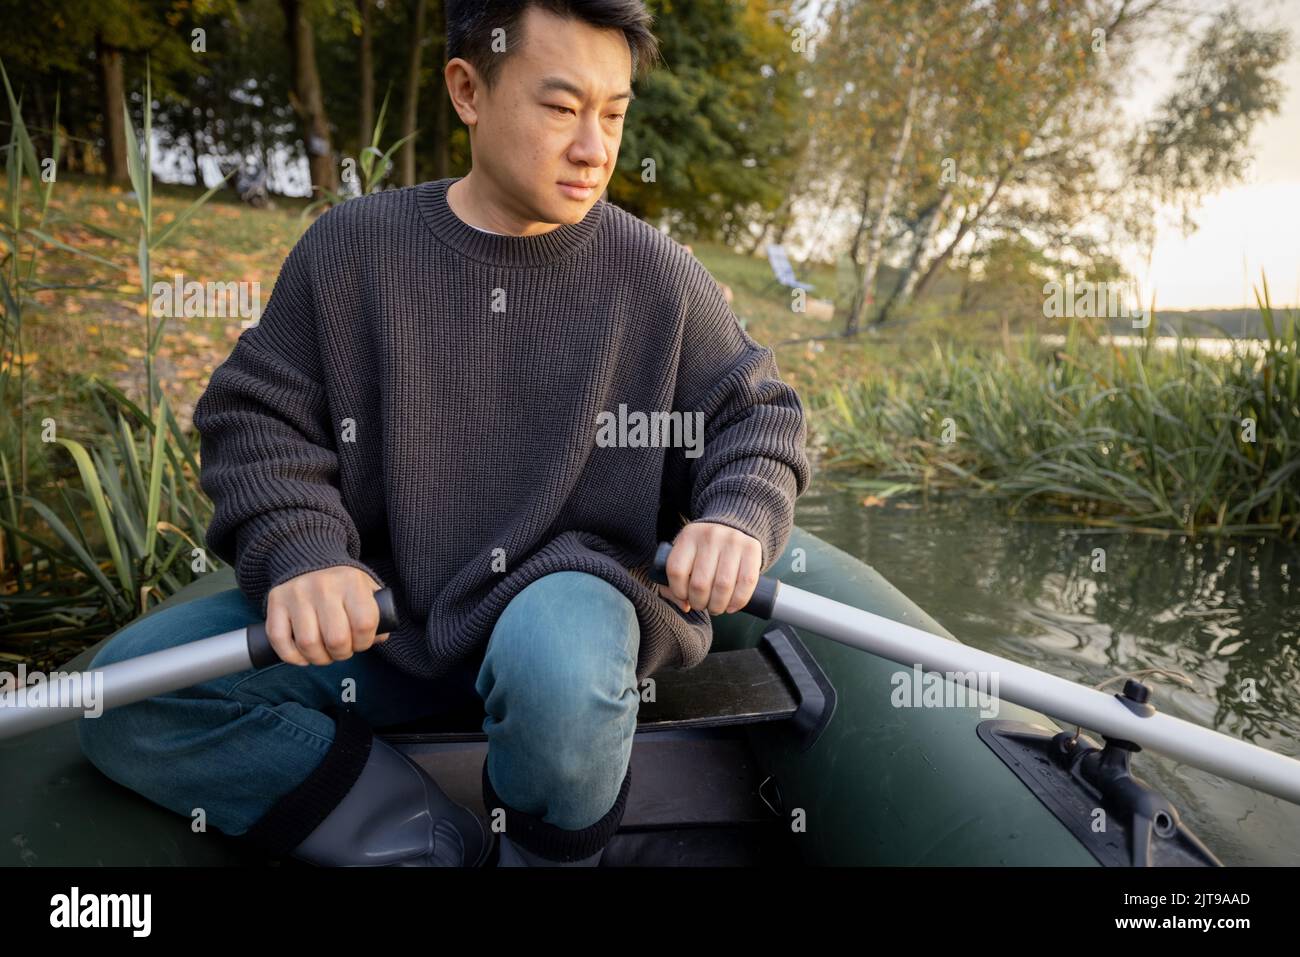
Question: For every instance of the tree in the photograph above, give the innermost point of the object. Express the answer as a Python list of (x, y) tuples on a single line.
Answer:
[(441, 152), (1199, 138), (366, 64), (1014, 131), (112, 89), (306, 98), (715, 135), (410, 111), (915, 51)]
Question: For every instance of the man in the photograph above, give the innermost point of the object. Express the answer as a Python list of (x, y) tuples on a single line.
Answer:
[(447, 395)]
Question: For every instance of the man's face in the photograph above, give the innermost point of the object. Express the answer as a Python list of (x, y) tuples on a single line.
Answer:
[(555, 116)]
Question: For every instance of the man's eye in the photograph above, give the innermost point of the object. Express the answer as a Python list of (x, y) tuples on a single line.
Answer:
[(562, 109), (616, 116)]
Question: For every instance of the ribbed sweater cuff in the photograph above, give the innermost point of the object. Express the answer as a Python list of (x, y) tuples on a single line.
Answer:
[(556, 843), (295, 815), (310, 541), (756, 496)]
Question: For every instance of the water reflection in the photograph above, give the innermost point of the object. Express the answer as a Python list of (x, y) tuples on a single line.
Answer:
[(1226, 614)]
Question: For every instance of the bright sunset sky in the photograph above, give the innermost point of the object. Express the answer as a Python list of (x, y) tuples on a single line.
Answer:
[(1247, 228)]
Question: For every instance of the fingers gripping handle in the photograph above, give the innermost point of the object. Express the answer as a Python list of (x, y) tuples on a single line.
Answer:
[(761, 604), (261, 654)]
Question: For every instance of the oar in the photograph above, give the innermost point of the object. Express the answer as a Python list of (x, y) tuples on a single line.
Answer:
[(134, 679), (1108, 714)]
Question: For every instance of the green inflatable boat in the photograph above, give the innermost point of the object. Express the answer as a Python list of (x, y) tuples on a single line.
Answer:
[(781, 748)]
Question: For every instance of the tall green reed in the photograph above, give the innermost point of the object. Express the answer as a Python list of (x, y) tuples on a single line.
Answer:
[(1137, 437), (119, 542)]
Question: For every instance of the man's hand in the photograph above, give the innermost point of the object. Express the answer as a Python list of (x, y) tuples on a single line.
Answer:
[(713, 566), (323, 616)]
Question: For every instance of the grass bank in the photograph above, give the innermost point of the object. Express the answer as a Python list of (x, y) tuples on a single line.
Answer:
[(1134, 437)]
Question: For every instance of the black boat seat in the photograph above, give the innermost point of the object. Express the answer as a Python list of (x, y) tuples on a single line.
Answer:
[(727, 687), (774, 682), (699, 795)]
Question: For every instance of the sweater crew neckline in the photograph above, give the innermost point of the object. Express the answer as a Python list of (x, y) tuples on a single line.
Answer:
[(496, 248)]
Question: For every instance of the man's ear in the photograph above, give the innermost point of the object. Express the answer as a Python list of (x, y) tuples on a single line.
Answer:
[(463, 82)]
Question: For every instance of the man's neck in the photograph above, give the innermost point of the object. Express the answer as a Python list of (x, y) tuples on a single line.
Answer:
[(468, 203)]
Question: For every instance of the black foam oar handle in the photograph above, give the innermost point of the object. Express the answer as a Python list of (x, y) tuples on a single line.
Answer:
[(261, 654), (761, 604)]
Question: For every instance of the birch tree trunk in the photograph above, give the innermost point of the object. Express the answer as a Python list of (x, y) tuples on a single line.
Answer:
[(925, 230), (874, 244)]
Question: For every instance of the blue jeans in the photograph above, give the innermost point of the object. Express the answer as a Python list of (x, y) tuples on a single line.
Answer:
[(557, 681)]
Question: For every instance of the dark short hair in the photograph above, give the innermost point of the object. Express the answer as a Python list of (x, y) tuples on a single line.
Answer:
[(470, 24)]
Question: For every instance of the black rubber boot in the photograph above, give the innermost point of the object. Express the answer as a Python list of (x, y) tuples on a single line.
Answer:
[(539, 844), (395, 815)]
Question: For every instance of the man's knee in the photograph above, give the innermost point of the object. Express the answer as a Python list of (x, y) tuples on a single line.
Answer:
[(561, 665), (570, 633), (577, 594), (559, 683)]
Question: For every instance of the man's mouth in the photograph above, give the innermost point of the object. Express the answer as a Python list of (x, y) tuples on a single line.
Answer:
[(577, 189)]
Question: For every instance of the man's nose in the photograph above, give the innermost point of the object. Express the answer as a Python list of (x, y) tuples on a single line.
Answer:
[(589, 144)]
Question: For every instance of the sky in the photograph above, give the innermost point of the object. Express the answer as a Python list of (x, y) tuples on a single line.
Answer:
[(1244, 229)]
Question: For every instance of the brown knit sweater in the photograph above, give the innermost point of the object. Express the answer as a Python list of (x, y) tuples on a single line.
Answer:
[(456, 412)]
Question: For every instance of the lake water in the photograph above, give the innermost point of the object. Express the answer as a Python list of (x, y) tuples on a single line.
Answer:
[(1226, 614), (1205, 346)]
